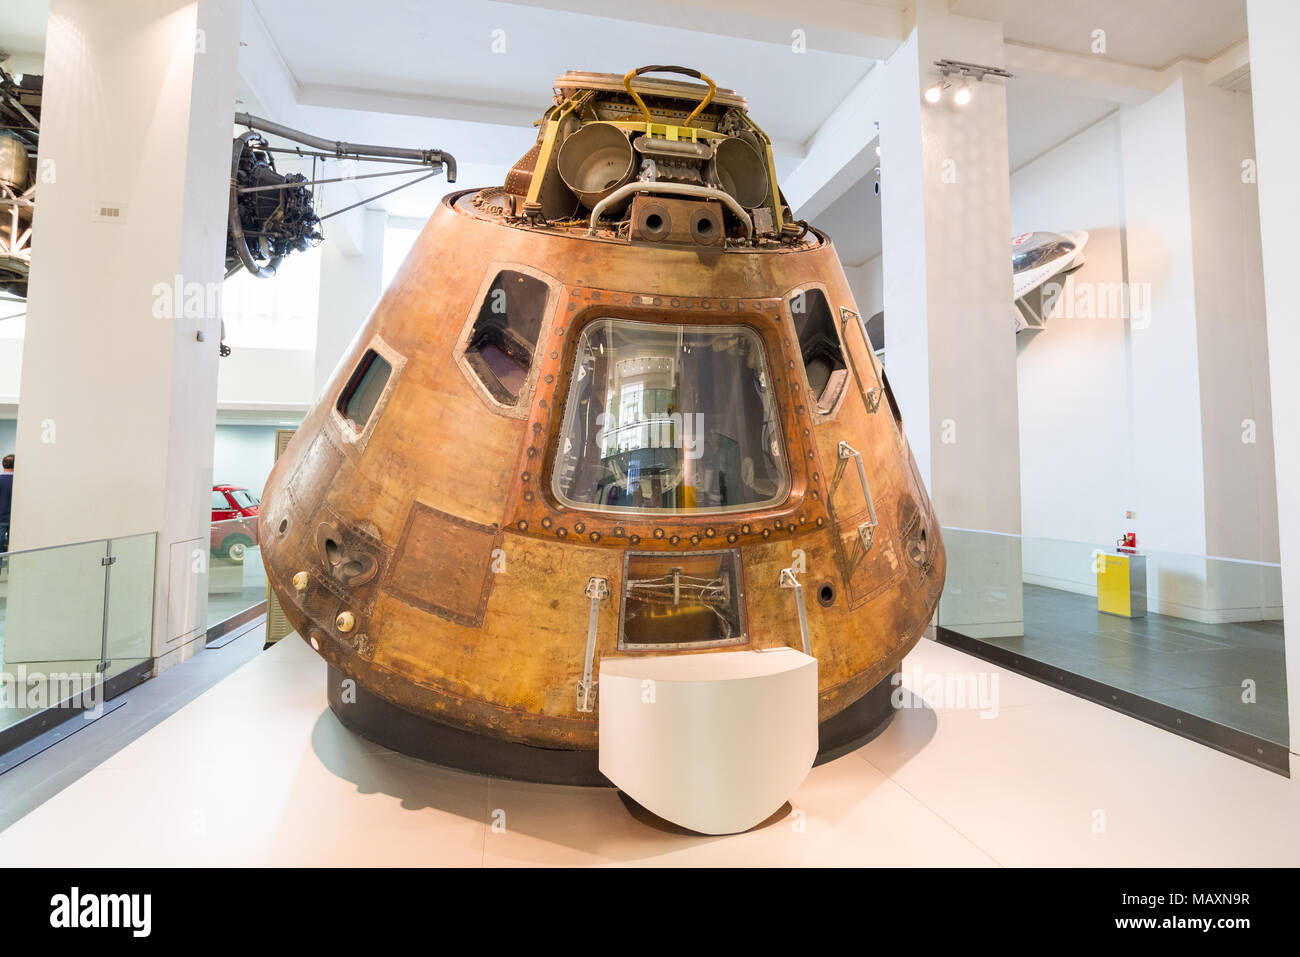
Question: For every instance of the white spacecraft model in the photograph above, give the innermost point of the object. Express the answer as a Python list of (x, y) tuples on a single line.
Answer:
[(1035, 259)]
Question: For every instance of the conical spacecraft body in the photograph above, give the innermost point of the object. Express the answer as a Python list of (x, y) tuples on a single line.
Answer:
[(615, 407)]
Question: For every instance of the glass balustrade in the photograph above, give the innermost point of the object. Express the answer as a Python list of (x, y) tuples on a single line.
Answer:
[(72, 617), (236, 579)]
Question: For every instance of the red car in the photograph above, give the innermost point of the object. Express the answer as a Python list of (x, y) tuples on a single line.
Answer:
[(234, 521)]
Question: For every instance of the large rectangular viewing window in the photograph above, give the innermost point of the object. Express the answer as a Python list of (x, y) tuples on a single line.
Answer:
[(358, 399), (671, 418)]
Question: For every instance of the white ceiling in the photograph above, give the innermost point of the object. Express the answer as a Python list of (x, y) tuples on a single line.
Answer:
[(1150, 33), (420, 57), (1038, 121), (445, 50), (22, 31), (22, 25)]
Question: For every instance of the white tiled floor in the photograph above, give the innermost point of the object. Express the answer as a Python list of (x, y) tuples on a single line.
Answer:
[(258, 771)]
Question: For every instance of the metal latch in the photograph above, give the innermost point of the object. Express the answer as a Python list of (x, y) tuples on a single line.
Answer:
[(789, 581), (597, 590), (108, 560), (867, 530)]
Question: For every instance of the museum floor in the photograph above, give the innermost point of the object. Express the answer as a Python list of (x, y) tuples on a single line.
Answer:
[(256, 770), (1190, 665)]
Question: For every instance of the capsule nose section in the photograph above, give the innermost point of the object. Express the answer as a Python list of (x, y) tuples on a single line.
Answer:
[(712, 742)]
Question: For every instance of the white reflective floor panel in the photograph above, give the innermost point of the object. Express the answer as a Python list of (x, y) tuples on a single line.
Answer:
[(258, 771)]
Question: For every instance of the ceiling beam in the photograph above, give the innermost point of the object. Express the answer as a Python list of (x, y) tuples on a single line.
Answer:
[(1072, 74), (840, 153), (865, 28), (1230, 67)]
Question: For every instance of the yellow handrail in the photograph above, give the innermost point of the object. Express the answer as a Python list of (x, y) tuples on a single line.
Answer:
[(685, 71)]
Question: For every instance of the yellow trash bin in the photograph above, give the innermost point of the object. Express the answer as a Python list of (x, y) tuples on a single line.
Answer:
[(1122, 585)]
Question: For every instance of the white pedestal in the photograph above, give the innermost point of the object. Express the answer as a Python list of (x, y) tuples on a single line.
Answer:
[(713, 742)]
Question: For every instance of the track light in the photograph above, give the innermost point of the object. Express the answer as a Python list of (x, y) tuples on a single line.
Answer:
[(965, 71)]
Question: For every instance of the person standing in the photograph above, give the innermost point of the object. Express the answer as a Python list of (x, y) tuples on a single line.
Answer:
[(6, 499)]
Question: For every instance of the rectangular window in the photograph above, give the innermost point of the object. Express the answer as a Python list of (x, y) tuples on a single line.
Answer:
[(501, 344), (359, 397), (244, 498), (682, 600), (673, 418)]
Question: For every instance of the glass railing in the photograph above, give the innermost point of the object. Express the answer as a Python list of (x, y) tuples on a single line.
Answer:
[(1200, 634), (71, 618), (236, 578)]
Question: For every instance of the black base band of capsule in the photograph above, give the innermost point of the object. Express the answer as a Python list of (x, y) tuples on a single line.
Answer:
[(386, 724)]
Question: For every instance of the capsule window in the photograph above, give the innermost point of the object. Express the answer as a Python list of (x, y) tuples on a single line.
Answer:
[(819, 345), (358, 399), (504, 337)]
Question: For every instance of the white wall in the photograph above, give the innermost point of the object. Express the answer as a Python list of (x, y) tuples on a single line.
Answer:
[(1076, 442), (1148, 415), (243, 455), (867, 282), (1274, 25)]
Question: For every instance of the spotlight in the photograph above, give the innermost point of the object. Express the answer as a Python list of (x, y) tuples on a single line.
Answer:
[(963, 94), (934, 93)]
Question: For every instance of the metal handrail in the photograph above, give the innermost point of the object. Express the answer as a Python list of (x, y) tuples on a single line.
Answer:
[(867, 530), (686, 189)]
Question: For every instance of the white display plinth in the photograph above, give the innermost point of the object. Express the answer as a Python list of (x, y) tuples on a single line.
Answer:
[(714, 742)]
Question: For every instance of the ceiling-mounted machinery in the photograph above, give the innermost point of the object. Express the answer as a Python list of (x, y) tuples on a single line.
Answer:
[(273, 214), (20, 111)]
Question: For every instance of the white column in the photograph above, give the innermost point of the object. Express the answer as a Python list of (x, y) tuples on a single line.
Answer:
[(115, 431), (951, 352), (351, 279), (1274, 26)]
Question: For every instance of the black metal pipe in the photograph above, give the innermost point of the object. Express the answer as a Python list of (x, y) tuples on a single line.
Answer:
[(341, 149)]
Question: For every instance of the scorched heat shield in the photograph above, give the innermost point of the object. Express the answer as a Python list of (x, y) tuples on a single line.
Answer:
[(615, 407)]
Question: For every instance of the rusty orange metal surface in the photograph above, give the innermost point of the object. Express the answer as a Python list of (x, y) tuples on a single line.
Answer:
[(434, 523)]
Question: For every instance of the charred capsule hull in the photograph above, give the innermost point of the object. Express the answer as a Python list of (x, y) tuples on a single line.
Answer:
[(433, 533)]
